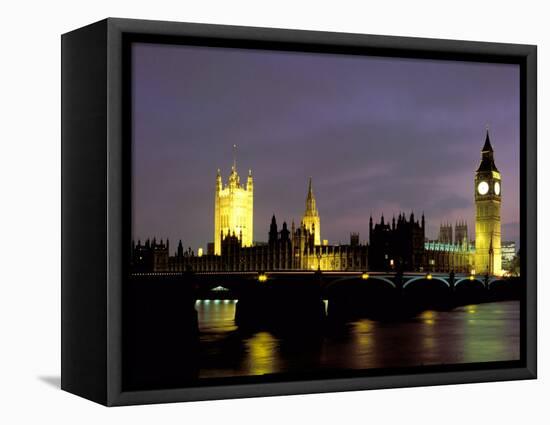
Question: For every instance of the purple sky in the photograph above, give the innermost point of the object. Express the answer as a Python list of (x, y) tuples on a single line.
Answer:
[(377, 135)]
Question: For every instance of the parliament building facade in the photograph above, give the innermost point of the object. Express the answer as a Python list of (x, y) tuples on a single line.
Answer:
[(396, 245)]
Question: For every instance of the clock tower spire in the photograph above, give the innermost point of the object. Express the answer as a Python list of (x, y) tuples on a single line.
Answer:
[(488, 197)]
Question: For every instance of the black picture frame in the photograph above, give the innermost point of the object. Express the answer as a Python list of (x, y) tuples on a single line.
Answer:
[(96, 201)]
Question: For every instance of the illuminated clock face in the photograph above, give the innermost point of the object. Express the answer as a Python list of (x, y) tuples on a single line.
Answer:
[(497, 188), (483, 188)]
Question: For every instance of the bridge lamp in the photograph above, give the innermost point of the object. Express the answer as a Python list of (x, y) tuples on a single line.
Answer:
[(262, 277), (365, 276), (429, 276)]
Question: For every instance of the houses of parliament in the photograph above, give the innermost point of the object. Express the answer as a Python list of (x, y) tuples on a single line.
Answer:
[(399, 244)]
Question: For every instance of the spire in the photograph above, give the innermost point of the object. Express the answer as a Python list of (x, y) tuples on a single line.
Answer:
[(487, 146), (219, 183), (234, 180), (311, 209), (273, 230), (487, 158)]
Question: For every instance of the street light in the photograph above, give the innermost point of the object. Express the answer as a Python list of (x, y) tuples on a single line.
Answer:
[(365, 276), (429, 276), (262, 277)]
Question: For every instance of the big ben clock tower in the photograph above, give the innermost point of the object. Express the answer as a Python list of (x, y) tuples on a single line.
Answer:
[(488, 197)]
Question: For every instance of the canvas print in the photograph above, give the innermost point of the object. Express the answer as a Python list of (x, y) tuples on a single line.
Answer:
[(300, 215)]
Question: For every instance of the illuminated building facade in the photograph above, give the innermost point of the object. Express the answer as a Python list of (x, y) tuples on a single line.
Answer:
[(233, 209), (311, 219), (508, 254), (450, 254), (487, 187), (399, 245), (286, 249)]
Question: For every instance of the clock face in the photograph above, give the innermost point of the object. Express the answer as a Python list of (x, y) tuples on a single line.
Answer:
[(483, 188), (497, 188)]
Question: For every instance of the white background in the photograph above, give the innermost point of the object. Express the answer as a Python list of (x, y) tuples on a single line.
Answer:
[(30, 211)]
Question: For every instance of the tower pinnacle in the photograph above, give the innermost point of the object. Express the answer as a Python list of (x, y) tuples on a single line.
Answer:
[(487, 156), (311, 217), (311, 207)]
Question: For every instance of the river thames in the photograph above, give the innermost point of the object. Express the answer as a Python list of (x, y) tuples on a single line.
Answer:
[(467, 334)]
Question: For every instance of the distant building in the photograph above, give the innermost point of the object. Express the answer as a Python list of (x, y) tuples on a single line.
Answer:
[(397, 246), (402, 246), (444, 255), (150, 256), (210, 248), (461, 233), (446, 233), (508, 254), (286, 249)]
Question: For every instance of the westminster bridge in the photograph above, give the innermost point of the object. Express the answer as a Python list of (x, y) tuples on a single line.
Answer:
[(308, 297)]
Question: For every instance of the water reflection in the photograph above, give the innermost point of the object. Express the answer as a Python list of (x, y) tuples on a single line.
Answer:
[(262, 354), (473, 333)]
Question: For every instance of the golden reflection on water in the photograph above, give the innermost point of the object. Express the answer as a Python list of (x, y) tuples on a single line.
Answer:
[(428, 335), (472, 333), (261, 348), (364, 337), (428, 317)]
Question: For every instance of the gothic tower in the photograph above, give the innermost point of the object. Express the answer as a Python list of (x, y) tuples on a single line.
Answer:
[(233, 208), (487, 199), (446, 233), (311, 219), (461, 233)]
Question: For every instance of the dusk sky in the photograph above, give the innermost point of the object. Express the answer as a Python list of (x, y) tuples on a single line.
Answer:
[(377, 135)]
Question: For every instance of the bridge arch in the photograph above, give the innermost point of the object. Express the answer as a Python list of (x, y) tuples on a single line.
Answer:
[(359, 278), (414, 279), (467, 279), (494, 279)]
